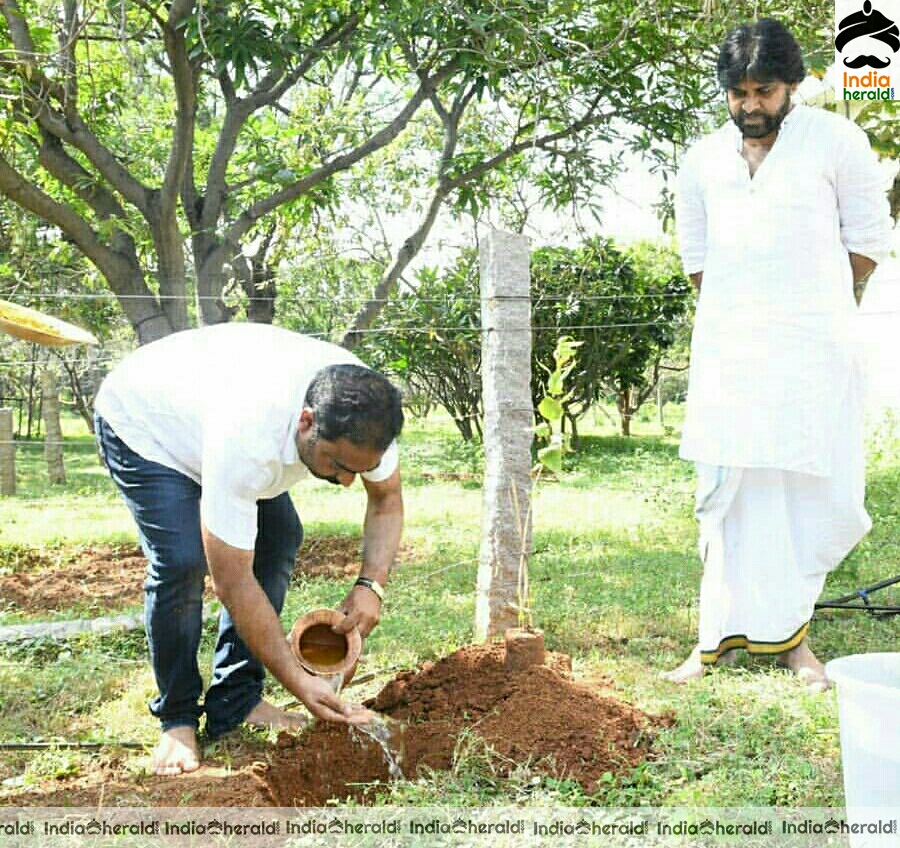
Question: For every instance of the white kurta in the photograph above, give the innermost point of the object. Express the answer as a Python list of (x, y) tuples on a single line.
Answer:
[(774, 410), (221, 405), (775, 330)]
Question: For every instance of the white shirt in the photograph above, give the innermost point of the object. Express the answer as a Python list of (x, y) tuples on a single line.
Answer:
[(774, 340), (221, 404)]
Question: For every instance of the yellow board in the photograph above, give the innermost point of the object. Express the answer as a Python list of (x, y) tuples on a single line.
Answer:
[(34, 326)]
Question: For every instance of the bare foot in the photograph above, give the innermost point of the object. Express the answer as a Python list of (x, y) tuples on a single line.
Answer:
[(803, 662), (176, 752), (729, 658), (265, 714), (693, 669), (690, 669)]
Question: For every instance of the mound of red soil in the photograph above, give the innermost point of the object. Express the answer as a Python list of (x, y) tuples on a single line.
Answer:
[(538, 716)]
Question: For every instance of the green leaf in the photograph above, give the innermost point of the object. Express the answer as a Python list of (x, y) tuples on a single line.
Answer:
[(550, 409), (551, 457), (555, 383)]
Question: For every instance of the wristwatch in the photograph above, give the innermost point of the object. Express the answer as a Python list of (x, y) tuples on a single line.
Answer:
[(374, 585)]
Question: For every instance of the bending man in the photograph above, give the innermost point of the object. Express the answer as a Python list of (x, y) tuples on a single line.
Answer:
[(204, 432)]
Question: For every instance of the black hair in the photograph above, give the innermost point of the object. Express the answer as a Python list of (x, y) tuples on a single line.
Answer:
[(355, 403), (764, 51)]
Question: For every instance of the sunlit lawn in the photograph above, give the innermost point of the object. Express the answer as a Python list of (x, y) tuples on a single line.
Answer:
[(615, 578)]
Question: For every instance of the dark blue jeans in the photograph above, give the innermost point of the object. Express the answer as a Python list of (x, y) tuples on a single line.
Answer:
[(165, 505)]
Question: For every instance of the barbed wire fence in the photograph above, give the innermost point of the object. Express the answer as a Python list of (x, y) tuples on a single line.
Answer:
[(22, 418)]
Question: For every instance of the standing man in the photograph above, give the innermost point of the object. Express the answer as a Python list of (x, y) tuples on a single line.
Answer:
[(781, 219), (204, 432)]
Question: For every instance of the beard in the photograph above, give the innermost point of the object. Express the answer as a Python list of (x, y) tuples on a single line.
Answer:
[(761, 124), (305, 452)]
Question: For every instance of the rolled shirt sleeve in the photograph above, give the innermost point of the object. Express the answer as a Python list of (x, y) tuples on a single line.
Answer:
[(862, 198), (390, 459)]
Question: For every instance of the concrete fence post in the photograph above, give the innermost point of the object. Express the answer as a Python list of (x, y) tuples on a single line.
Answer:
[(508, 430), (53, 452), (7, 454)]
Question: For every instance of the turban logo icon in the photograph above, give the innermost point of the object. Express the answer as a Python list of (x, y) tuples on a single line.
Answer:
[(869, 24)]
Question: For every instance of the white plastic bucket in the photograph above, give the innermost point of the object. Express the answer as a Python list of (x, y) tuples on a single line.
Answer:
[(868, 688)]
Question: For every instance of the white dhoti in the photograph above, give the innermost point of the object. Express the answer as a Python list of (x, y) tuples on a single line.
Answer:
[(769, 538)]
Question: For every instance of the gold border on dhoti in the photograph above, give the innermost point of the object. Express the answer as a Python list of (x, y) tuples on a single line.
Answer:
[(765, 648)]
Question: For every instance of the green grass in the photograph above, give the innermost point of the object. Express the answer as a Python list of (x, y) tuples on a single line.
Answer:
[(615, 577)]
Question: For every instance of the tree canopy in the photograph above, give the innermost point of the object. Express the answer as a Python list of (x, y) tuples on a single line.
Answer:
[(182, 148), (626, 309)]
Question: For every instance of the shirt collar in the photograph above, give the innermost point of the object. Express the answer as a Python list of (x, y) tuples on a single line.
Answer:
[(289, 454)]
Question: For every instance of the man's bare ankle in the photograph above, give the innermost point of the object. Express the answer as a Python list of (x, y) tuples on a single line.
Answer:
[(176, 752)]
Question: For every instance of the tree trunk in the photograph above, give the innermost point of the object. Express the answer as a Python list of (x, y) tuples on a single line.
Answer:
[(53, 451), (260, 292), (256, 276), (659, 403), (574, 439), (211, 281), (7, 454), (31, 375), (464, 425), (140, 305), (623, 402)]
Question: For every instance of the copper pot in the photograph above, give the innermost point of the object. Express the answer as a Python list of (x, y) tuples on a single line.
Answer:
[(323, 652)]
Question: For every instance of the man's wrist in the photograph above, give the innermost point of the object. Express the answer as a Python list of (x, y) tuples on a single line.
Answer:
[(371, 584)]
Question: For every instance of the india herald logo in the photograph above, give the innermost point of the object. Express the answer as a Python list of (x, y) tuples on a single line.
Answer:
[(868, 33)]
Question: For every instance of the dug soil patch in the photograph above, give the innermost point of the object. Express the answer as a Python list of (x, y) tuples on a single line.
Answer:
[(103, 579), (462, 706)]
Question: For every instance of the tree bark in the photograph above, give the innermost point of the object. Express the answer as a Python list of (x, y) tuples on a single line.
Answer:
[(623, 402), (257, 278), (894, 198)]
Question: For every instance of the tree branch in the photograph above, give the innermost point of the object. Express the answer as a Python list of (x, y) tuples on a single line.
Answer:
[(24, 193), (68, 125), (411, 247), (269, 91), (340, 163), (588, 119), (184, 80)]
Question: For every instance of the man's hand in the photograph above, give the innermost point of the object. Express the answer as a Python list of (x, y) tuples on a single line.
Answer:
[(319, 698), (258, 625), (862, 268), (696, 280), (363, 610)]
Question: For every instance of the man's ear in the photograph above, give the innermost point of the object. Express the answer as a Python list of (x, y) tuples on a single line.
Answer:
[(307, 421)]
